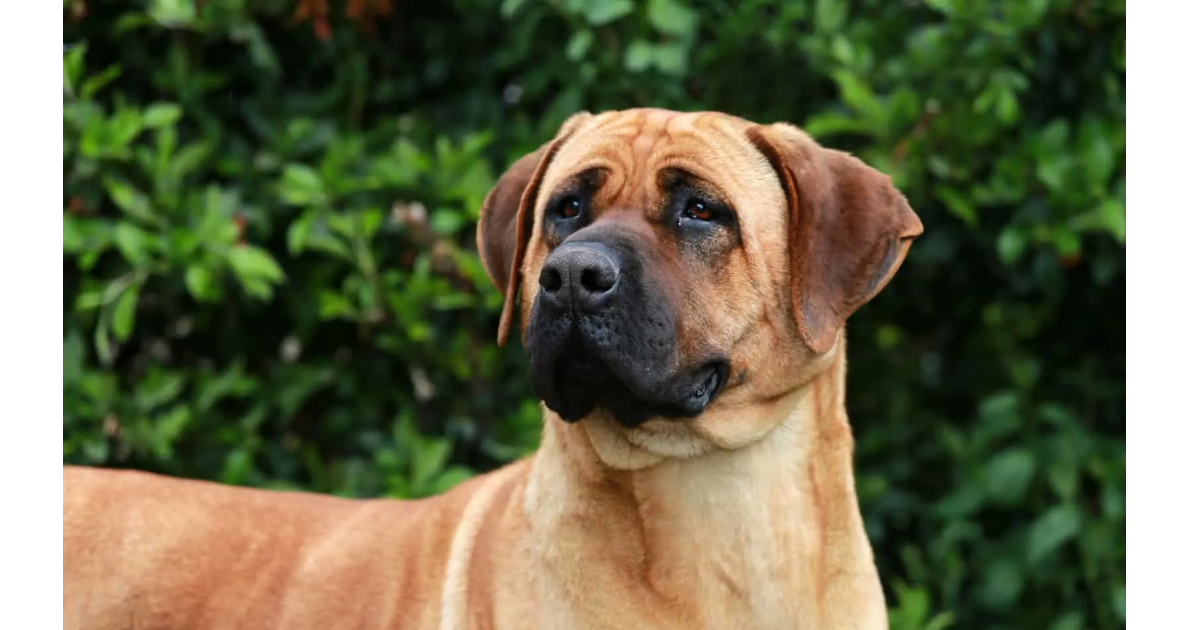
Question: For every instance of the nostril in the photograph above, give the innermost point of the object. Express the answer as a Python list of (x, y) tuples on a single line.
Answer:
[(550, 279), (597, 280)]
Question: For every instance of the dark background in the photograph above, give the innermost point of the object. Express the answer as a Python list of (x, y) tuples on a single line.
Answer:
[(271, 279)]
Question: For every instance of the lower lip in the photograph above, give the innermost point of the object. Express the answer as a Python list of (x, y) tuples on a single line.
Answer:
[(710, 385)]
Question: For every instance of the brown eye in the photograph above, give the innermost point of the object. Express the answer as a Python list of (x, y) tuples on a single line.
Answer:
[(698, 210), (569, 208)]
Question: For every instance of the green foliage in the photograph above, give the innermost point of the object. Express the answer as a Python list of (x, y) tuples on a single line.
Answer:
[(271, 277)]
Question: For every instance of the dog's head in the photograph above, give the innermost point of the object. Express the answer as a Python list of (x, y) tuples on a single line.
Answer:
[(668, 266)]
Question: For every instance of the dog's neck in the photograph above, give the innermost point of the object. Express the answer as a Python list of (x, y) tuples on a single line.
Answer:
[(768, 533)]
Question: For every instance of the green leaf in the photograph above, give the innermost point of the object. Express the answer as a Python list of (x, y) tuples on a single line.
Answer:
[(298, 231), (671, 17), (1052, 170), (200, 283), (601, 12), (1112, 502), (579, 44), (940, 621), (831, 124), (888, 336), (301, 185), (230, 382), (1112, 217), (125, 312), (97, 82), (1068, 621), (1053, 137), (132, 242), (509, 8), (73, 235), (333, 305), (258, 47), (370, 220), (1002, 583), (671, 58), (842, 50), (173, 13), (1010, 245), (450, 477), (1008, 474), (129, 200), (958, 205), (963, 502), (73, 67), (253, 264), (830, 15), (311, 232), (161, 115), (999, 417), (429, 457), (639, 55), (1066, 242), (452, 301), (123, 127), (342, 225), (104, 349), (1052, 530), (238, 465), (1063, 478), (859, 96), (170, 426), (1008, 107), (159, 389), (73, 357), (912, 608), (446, 222), (1035, 10), (189, 158), (88, 300)]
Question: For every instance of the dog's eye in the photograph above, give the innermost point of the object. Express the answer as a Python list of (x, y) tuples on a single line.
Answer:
[(698, 210), (569, 208)]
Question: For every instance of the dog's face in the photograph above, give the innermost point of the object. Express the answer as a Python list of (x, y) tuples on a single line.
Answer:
[(670, 266)]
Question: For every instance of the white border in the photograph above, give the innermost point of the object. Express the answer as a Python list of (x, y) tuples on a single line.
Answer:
[(1161, 359), (1165, 344), (30, 317)]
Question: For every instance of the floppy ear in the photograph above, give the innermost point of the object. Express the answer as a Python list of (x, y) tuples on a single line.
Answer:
[(506, 220), (849, 229)]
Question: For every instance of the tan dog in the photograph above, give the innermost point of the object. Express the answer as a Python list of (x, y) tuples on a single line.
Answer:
[(682, 283)]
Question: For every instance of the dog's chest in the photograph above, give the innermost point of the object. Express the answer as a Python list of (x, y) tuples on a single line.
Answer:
[(743, 564), (689, 583)]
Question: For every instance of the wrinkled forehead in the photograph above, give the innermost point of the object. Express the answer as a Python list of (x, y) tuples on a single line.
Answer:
[(635, 147)]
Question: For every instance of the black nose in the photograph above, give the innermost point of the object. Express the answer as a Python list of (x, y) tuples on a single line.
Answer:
[(580, 275)]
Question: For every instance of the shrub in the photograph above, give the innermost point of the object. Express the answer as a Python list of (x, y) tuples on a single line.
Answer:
[(271, 279)]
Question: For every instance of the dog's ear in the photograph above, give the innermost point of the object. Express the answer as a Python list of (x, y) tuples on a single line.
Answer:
[(849, 229), (506, 220)]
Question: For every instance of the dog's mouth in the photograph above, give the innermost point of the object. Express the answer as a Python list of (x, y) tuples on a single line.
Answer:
[(582, 382)]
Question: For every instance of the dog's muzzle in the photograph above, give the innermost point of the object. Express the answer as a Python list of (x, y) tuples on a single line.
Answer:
[(601, 336)]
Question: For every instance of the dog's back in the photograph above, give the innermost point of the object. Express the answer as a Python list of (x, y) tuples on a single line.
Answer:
[(147, 551)]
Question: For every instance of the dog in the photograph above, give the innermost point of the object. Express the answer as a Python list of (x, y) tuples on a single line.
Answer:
[(682, 283)]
